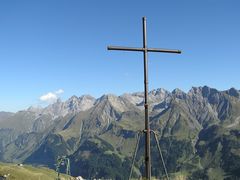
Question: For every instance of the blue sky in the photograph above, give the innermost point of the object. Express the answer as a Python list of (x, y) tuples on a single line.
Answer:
[(58, 47)]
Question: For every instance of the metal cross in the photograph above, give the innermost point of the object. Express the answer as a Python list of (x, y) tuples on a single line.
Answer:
[(145, 51)]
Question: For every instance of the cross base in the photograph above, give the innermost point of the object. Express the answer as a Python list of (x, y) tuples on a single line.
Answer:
[(159, 150)]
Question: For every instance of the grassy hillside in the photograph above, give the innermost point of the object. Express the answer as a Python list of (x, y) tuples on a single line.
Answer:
[(27, 172)]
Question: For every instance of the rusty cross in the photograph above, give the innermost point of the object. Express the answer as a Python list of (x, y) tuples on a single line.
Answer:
[(145, 51)]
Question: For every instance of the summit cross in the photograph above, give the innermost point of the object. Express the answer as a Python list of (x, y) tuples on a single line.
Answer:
[(145, 51)]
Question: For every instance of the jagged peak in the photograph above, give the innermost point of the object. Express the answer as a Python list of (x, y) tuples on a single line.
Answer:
[(108, 97), (58, 101), (203, 90), (194, 89), (73, 98), (81, 103), (134, 98), (159, 91), (206, 91), (133, 94), (35, 108), (87, 96), (138, 93), (179, 93), (117, 102), (233, 92)]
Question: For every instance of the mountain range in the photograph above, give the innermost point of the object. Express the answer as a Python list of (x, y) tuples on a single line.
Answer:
[(198, 132)]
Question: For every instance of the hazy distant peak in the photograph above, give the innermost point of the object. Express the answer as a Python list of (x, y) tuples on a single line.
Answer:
[(134, 98), (36, 109), (5, 115), (207, 91), (72, 105), (233, 92), (108, 97), (178, 93), (77, 104), (87, 96), (73, 98), (118, 102), (140, 94), (204, 91), (159, 91), (194, 90)]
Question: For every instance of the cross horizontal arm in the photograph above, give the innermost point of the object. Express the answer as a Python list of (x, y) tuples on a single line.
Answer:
[(164, 50), (124, 48), (119, 48)]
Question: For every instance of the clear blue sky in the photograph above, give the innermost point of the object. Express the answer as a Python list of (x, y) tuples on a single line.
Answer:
[(47, 45)]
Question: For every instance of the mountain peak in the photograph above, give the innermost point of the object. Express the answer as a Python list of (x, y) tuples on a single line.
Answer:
[(177, 90), (117, 102), (87, 96), (74, 97), (73, 105), (77, 104), (36, 109), (179, 93), (108, 97), (233, 92), (159, 91), (134, 98), (73, 100), (204, 91)]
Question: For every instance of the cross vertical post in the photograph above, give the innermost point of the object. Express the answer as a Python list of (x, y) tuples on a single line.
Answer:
[(145, 51), (147, 129)]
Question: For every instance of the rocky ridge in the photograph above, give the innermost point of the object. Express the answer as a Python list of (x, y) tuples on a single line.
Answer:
[(193, 127)]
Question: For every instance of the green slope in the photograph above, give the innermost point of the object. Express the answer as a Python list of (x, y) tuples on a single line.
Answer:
[(27, 172)]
